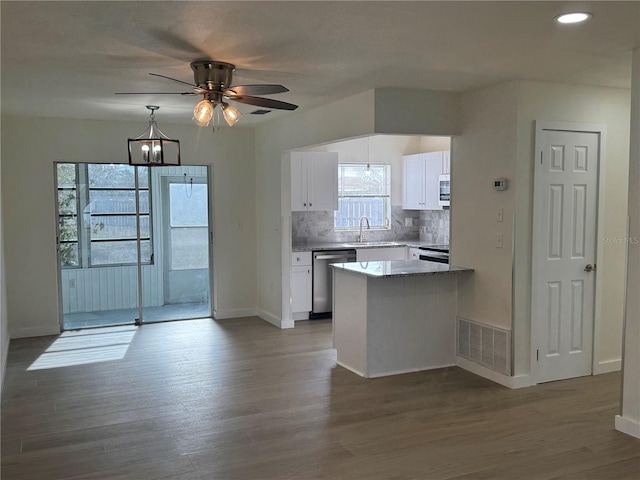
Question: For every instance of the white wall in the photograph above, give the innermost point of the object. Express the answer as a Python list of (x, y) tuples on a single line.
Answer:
[(629, 419), (484, 151), (582, 104), (29, 148), (418, 112)]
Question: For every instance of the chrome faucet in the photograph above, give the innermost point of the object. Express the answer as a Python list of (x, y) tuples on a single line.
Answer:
[(361, 237)]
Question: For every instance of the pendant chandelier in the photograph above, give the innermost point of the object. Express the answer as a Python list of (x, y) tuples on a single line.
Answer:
[(153, 147)]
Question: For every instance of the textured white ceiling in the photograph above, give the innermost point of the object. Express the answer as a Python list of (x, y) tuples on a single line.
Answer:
[(66, 59)]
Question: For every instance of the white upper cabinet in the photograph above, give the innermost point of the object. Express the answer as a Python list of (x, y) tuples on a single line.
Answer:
[(420, 182), (314, 181), (413, 182), (446, 162)]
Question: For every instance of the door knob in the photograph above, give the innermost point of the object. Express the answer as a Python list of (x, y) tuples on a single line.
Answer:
[(589, 267)]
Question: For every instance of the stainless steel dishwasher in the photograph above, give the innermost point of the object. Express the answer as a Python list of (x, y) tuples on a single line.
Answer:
[(323, 279)]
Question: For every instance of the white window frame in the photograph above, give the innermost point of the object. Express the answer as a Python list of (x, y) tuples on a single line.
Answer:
[(385, 196)]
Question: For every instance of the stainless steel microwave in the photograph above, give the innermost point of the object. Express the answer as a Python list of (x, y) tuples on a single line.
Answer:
[(444, 183)]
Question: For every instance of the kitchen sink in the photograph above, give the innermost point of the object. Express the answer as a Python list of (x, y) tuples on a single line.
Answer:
[(373, 244)]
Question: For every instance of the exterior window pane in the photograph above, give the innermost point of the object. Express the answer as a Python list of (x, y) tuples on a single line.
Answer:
[(189, 248), (118, 227), (183, 213), (110, 176), (69, 255), (116, 201), (363, 191), (119, 253), (67, 179), (68, 229), (67, 175), (67, 202)]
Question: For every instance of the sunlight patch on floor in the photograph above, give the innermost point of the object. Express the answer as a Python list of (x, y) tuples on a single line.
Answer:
[(84, 347)]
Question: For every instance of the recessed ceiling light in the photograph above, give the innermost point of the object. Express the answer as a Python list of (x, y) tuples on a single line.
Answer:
[(575, 17)]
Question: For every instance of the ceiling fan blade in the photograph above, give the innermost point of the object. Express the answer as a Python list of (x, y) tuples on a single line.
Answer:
[(157, 93), (255, 89), (263, 102), (174, 79)]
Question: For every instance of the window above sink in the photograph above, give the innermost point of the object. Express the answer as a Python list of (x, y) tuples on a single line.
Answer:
[(363, 190)]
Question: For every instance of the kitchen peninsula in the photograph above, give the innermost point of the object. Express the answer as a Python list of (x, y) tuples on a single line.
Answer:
[(395, 317)]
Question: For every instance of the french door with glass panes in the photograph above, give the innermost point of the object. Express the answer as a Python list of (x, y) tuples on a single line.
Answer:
[(111, 245)]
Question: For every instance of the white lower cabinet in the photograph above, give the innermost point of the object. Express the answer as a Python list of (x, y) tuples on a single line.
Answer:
[(301, 285), (381, 254)]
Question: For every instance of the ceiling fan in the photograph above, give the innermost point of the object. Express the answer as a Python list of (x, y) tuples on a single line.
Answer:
[(212, 80)]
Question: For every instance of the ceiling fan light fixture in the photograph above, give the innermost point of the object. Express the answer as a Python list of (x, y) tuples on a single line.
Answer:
[(231, 114), (153, 147), (203, 113), (574, 17)]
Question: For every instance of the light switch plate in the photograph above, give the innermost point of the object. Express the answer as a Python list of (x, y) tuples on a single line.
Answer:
[(499, 240), (408, 222), (500, 214)]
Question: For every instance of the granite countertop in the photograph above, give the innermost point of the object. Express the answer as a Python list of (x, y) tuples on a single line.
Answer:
[(308, 247), (399, 268)]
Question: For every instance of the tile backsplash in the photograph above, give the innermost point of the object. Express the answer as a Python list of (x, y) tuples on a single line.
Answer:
[(428, 226), (434, 226)]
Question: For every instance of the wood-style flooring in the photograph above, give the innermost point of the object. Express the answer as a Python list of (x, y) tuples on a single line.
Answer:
[(241, 400)]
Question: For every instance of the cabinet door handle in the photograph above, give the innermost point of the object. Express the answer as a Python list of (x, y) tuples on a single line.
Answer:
[(304, 204), (310, 204)]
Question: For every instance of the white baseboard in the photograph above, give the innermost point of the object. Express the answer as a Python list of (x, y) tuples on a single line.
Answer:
[(236, 313), (628, 426), (353, 370), (410, 370), (607, 367), (273, 320), (519, 381), (43, 331)]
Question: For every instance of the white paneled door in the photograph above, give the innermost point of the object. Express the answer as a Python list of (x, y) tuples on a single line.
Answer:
[(564, 244)]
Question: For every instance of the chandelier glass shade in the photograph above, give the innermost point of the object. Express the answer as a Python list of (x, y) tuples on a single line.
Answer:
[(207, 112)]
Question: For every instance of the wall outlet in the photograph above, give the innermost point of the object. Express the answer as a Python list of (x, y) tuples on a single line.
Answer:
[(408, 222), (500, 215), (72, 283), (499, 240)]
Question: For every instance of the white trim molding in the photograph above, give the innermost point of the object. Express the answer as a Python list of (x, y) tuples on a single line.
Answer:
[(519, 381), (607, 366), (273, 320), (42, 331), (628, 426), (235, 313)]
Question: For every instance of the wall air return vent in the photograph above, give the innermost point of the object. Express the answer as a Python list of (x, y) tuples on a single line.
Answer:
[(489, 346)]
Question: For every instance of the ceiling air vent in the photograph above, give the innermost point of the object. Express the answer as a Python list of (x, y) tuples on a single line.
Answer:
[(260, 112)]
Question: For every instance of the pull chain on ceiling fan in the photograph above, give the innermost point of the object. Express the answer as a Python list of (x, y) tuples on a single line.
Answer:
[(213, 80)]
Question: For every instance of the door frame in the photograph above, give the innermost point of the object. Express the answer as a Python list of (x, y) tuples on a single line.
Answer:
[(601, 131)]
